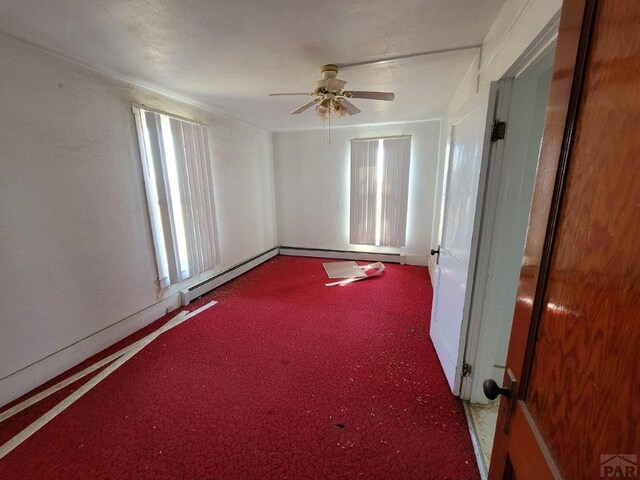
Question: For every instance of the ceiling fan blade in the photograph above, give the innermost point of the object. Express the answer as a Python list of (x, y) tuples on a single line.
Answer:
[(349, 107), (305, 107), (373, 95), (281, 94)]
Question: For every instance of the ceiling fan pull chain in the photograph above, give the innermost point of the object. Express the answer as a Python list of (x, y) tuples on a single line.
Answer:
[(323, 134)]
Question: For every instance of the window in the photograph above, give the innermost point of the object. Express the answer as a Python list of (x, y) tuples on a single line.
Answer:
[(379, 191), (179, 184)]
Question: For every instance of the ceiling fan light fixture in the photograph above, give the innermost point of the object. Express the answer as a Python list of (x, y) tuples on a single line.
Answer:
[(332, 98), (323, 112), (338, 108)]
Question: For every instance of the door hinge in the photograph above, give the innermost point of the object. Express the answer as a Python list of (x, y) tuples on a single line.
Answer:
[(498, 130), (466, 369)]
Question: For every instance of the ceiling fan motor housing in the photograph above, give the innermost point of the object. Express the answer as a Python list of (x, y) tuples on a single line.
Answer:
[(329, 85), (329, 71)]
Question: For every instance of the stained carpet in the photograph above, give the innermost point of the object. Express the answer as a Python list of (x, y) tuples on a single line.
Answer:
[(283, 379)]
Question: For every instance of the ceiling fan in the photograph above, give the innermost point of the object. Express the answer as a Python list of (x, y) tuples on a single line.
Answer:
[(331, 97)]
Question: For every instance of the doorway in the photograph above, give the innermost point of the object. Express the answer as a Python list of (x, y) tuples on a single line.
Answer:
[(505, 214)]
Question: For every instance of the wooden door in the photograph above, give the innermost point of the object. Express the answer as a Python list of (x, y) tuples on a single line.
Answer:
[(574, 352)]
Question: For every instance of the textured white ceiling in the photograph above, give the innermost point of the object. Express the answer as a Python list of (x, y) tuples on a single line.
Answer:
[(230, 54)]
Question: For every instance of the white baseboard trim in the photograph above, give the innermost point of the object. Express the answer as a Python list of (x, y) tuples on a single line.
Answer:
[(34, 375), (26, 379), (432, 271), (211, 283), (473, 432), (418, 260), (342, 254)]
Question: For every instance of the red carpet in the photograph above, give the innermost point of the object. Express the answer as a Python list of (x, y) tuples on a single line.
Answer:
[(283, 378)]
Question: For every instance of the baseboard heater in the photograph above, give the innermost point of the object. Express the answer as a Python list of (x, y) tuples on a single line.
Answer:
[(195, 291), (343, 254)]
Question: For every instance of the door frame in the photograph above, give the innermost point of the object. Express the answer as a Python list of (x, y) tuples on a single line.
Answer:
[(476, 354), (485, 217)]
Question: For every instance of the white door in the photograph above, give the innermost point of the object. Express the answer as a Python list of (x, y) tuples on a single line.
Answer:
[(469, 132)]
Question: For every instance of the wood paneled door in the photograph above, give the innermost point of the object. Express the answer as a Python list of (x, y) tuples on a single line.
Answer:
[(574, 352)]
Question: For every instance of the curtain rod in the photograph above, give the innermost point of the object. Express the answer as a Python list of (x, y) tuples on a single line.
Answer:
[(369, 139), (171, 115)]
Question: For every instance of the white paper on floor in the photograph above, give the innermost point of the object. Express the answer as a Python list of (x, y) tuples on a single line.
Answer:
[(371, 270), (343, 270)]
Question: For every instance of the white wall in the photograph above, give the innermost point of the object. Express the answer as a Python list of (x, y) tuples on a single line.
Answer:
[(516, 27), (312, 187), (76, 253), (518, 24)]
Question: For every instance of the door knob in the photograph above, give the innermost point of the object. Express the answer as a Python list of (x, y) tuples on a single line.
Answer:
[(433, 252), (492, 390)]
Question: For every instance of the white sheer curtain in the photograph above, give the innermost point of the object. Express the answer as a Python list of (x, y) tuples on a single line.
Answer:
[(364, 187), (179, 183), (379, 191), (395, 191)]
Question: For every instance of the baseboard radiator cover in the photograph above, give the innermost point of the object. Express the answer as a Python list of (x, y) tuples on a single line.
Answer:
[(343, 254), (15, 384), (187, 295)]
